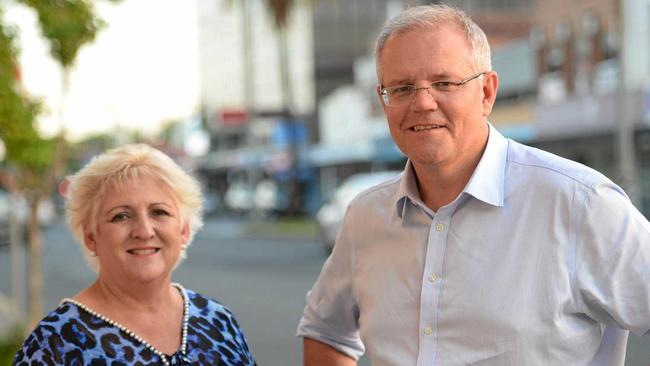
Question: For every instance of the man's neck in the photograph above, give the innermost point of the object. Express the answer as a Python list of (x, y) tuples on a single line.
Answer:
[(440, 184), (439, 188)]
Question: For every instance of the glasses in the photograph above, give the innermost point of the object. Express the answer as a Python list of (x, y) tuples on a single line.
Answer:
[(403, 95)]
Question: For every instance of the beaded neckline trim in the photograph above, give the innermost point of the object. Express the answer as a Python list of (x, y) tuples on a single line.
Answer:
[(163, 357)]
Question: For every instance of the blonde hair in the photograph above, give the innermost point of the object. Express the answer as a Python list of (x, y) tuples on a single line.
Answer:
[(433, 17), (117, 166)]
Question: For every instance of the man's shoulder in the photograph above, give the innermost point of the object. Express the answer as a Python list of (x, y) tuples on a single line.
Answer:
[(379, 194), (541, 166)]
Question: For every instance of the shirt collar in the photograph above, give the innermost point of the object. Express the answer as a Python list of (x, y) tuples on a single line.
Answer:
[(407, 190), (487, 183), (488, 180)]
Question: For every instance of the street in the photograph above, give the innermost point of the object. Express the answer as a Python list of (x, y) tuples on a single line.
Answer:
[(263, 280)]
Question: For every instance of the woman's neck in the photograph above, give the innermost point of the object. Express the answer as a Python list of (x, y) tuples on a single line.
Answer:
[(109, 297)]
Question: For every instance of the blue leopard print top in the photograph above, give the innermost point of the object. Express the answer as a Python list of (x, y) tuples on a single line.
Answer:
[(70, 335)]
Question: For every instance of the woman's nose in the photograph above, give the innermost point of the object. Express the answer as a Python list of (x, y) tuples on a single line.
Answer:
[(142, 227)]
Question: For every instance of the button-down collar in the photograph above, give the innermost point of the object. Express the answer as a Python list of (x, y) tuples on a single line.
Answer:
[(486, 183)]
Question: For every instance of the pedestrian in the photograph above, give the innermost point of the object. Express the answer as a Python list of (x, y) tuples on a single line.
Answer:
[(483, 251), (134, 212)]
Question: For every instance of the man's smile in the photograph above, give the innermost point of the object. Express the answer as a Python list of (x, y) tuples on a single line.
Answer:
[(418, 128)]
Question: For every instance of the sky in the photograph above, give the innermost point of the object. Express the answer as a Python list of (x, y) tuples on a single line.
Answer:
[(141, 70)]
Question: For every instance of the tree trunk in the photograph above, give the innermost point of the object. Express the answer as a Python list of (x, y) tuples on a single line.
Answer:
[(35, 312), (17, 254)]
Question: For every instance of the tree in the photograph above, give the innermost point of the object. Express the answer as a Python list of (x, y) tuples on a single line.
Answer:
[(27, 154), (280, 11), (36, 162)]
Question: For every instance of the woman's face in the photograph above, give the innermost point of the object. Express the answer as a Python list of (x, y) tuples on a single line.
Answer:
[(138, 233)]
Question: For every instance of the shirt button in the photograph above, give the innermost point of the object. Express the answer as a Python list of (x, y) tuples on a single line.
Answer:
[(428, 330), (432, 277), (440, 227)]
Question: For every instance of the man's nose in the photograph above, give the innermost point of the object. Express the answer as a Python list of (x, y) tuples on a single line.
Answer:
[(425, 100)]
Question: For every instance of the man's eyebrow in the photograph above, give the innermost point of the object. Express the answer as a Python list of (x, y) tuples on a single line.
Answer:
[(410, 81), (404, 81), (440, 76)]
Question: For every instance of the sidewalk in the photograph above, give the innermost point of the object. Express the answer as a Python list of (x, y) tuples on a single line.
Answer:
[(7, 315), (292, 229)]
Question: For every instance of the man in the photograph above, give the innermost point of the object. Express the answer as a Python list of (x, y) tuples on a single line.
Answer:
[(484, 251)]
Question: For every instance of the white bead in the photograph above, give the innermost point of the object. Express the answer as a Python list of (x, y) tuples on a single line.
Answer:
[(186, 316)]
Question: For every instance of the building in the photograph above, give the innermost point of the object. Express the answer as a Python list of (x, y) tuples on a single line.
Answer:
[(256, 93), (573, 80), (353, 134), (592, 75)]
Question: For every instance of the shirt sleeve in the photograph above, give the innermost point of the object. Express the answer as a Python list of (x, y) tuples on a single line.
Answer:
[(331, 314), (612, 261)]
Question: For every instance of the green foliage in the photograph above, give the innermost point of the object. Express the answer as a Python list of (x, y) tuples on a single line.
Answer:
[(67, 24), (17, 113), (9, 346), (280, 9)]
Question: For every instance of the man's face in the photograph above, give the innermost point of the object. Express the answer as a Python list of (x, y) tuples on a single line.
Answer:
[(437, 129)]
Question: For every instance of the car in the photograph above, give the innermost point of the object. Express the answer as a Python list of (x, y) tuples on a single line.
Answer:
[(268, 198), (239, 197), (330, 216), (19, 207)]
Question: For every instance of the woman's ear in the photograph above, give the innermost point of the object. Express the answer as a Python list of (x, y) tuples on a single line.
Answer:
[(89, 240), (185, 232)]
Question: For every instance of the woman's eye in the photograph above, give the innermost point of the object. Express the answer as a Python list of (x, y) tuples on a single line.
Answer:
[(160, 212), (120, 217)]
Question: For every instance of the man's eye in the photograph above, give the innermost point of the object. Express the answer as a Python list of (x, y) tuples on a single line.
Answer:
[(399, 91), (443, 85)]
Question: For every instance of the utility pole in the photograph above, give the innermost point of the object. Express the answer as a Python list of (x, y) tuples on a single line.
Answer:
[(247, 54), (625, 146)]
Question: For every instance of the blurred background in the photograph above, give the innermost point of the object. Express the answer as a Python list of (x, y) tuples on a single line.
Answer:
[(271, 104)]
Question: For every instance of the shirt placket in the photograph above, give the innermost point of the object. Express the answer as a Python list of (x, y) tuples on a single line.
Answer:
[(432, 286)]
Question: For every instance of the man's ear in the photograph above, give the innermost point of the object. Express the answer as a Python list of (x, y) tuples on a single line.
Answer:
[(490, 86), (378, 91)]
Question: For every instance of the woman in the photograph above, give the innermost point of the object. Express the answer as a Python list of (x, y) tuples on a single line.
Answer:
[(135, 211)]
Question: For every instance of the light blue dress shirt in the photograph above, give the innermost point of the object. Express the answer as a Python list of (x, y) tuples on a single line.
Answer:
[(539, 261)]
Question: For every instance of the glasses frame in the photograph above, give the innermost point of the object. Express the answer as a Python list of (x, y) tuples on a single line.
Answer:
[(438, 85)]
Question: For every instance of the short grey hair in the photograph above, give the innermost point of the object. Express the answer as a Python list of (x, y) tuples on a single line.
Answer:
[(118, 166), (433, 17)]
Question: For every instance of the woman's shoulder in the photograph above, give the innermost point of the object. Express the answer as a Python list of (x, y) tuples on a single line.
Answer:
[(203, 308), (204, 304), (215, 328), (50, 332), (57, 319)]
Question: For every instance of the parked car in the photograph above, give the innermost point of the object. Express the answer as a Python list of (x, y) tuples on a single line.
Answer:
[(239, 197), (46, 214), (330, 215), (269, 198)]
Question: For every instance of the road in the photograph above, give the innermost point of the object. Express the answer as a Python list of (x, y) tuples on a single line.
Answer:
[(263, 280)]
